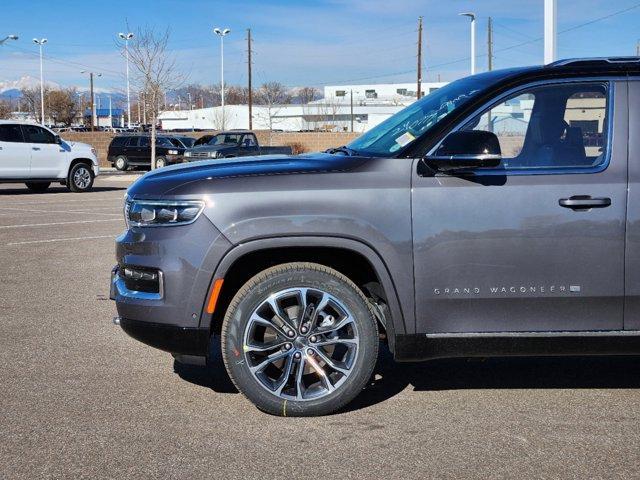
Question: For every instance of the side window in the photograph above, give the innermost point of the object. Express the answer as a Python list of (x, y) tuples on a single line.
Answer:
[(35, 134), (248, 141), (552, 126), (144, 142), (10, 133)]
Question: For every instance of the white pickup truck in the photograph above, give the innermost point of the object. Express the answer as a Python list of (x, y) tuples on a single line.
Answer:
[(35, 155)]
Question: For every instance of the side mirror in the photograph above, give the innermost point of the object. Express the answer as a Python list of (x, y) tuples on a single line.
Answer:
[(466, 149), (58, 140)]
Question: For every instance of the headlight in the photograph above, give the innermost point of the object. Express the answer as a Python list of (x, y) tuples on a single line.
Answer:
[(172, 152), (94, 151), (187, 154), (157, 213), (213, 154)]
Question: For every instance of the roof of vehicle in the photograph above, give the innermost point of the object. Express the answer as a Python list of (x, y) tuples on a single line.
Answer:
[(20, 122)]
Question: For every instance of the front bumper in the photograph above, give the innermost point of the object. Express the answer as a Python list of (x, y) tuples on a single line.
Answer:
[(173, 319)]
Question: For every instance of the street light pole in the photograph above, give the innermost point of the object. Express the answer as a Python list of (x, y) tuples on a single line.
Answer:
[(40, 43), (8, 37), (126, 37), (472, 16), (222, 33)]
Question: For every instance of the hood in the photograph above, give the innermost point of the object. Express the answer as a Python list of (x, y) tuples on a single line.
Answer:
[(210, 148), (77, 145), (186, 178)]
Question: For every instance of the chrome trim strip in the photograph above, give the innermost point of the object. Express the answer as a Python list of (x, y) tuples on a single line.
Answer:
[(594, 333)]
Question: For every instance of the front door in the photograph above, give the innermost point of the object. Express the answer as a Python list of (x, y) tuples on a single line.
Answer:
[(15, 155), (536, 244), (47, 156)]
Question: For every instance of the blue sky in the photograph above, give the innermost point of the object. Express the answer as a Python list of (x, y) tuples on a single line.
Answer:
[(305, 42)]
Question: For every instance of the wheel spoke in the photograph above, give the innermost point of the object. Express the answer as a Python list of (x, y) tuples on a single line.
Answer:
[(336, 341), (324, 378), (279, 313), (331, 363), (268, 360), (286, 374), (265, 347), (268, 323), (299, 384)]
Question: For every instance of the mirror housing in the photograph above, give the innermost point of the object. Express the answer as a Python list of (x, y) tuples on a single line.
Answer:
[(466, 149), (58, 140)]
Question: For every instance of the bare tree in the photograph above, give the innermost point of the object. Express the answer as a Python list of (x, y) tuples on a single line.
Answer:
[(273, 95), (307, 94), (63, 105), (32, 98), (155, 73), (5, 109)]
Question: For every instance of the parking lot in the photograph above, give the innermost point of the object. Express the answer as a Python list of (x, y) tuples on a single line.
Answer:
[(81, 399)]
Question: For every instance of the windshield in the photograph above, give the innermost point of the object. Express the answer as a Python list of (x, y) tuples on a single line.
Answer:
[(225, 139), (405, 126)]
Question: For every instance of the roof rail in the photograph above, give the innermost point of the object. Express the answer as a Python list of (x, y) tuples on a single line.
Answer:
[(593, 61)]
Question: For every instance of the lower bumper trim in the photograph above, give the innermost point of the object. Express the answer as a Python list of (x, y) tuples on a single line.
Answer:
[(170, 338)]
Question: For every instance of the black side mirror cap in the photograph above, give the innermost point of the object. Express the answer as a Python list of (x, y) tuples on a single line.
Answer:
[(466, 149)]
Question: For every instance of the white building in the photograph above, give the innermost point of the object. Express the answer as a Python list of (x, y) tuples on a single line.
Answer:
[(290, 118), (372, 104)]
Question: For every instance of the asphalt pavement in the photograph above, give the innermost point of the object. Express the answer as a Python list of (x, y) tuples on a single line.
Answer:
[(80, 399)]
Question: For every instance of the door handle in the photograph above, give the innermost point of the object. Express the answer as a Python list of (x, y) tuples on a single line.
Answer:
[(35, 148), (584, 202)]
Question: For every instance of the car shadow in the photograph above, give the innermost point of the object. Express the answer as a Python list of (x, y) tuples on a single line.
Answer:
[(53, 190), (391, 378)]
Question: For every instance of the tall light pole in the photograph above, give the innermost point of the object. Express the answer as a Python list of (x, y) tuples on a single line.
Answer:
[(550, 31), (8, 37), (222, 33), (40, 43), (472, 16), (126, 37)]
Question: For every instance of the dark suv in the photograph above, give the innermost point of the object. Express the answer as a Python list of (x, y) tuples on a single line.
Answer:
[(498, 215), (135, 151)]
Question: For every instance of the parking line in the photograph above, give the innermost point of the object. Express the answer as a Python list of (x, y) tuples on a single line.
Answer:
[(60, 223), (50, 240), (56, 211), (55, 202)]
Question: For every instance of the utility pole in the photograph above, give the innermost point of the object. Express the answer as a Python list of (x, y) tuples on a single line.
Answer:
[(249, 76), (419, 86), (490, 44), (92, 99), (638, 49)]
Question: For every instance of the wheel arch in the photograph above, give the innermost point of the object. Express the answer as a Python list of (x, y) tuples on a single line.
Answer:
[(352, 258), (78, 160)]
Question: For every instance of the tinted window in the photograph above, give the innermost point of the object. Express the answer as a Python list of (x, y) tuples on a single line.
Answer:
[(163, 142), (133, 142), (35, 134), (10, 133), (552, 126), (226, 139), (118, 141), (249, 141), (144, 142)]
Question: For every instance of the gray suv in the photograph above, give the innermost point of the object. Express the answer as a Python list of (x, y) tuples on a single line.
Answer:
[(498, 215)]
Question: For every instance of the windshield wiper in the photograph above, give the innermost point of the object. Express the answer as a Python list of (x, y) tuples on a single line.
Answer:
[(343, 149)]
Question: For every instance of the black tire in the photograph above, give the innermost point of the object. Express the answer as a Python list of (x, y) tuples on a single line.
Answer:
[(161, 162), (291, 276), (121, 163), (38, 187), (80, 178)]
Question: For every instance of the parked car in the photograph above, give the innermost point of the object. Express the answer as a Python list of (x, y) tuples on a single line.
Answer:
[(37, 156), (135, 151), (234, 143), (496, 216)]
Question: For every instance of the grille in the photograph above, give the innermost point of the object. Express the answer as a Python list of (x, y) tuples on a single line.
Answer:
[(199, 154)]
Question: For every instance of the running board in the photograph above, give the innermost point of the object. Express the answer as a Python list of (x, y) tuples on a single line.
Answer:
[(517, 344)]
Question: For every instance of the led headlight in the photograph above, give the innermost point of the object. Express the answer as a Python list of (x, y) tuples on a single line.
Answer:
[(158, 213)]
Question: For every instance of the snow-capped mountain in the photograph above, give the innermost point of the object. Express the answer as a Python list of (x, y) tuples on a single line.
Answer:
[(24, 82)]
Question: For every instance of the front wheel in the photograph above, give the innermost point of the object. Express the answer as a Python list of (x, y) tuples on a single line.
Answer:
[(300, 339), (38, 187), (161, 162), (80, 178), (121, 163)]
